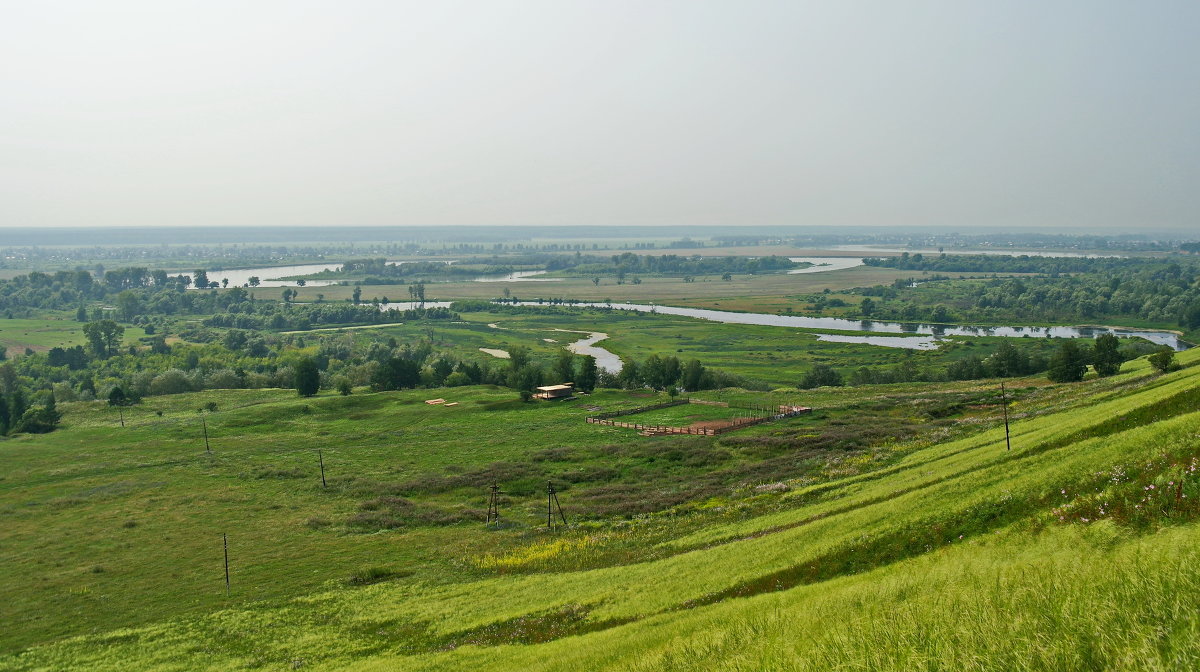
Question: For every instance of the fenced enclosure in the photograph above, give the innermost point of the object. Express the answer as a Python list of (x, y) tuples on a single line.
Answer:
[(757, 415)]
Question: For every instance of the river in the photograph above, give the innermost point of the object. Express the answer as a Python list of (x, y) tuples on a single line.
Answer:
[(268, 275), (605, 360), (876, 250), (913, 336), (517, 276), (822, 264)]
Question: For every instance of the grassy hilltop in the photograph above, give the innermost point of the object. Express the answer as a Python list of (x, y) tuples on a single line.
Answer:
[(889, 530)]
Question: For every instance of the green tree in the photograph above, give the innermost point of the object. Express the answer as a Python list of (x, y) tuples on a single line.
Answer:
[(1162, 359), (396, 373), (104, 337), (116, 397), (201, 278), (564, 367), (81, 314), (308, 377), (525, 379), (8, 379), (441, 370), (356, 296), (1007, 361), (586, 380), (38, 420), (344, 387), (693, 376), (255, 281), (821, 375), (5, 418), (1068, 364), (518, 356), (16, 405), (1106, 356), (867, 307)]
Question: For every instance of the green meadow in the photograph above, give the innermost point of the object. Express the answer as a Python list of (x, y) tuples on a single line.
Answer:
[(766, 356), (40, 335), (890, 529)]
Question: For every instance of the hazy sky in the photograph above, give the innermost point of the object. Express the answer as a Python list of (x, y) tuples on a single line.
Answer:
[(958, 113)]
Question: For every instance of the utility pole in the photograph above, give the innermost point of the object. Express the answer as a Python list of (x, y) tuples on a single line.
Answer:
[(321, 459), (552, 501), (122, 412), (493, 512), (204, 423), (225, 540), (1004, 405)]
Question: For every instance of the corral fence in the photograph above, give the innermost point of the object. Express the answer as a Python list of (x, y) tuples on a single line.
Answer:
[(760, 417)]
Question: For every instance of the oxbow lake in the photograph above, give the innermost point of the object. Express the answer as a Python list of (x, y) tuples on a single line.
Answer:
[(269, 275), (823, 264)]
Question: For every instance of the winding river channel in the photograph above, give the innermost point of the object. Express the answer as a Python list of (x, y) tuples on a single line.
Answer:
[(912, 336)]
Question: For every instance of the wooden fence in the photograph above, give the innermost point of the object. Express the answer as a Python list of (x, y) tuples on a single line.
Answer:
[(736, 423), (640, 409)]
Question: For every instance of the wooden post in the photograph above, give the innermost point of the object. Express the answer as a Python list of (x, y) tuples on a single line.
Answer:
[(225, 540), (493, 512), (550, 493), (204, 423), (321, 459), (122, 412)]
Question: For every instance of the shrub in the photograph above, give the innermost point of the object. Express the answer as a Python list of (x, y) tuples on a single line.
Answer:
[(369, 575), (223, 379), (38, 421), (308, 377), (457, 379), (821, 375), (1163, 359), (172, 381)]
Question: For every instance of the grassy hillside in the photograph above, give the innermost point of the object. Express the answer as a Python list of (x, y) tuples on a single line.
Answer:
[(889, 530)]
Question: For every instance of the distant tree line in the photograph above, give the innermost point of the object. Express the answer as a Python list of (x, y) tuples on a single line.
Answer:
[(1062, 360), (1145, 289)]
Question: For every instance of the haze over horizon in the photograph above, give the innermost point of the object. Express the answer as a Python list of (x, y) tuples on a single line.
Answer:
[(1020, 114)]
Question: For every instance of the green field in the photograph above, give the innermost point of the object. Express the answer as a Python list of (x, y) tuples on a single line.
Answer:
[(766, 355), (682, 416), (890, 529), (41, 335)]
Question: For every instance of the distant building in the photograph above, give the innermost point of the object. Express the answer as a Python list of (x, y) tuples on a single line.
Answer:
[(555, 391)]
